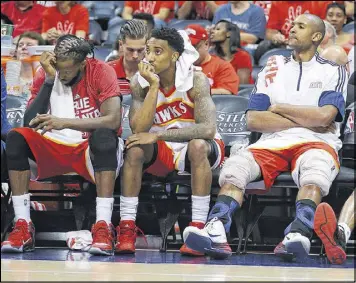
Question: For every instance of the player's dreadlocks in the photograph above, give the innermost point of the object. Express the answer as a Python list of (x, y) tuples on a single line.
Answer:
[(70, 47)]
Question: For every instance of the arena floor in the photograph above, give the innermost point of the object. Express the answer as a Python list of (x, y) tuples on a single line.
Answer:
[(151, 265)]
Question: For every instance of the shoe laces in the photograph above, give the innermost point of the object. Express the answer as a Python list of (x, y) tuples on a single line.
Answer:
[(127, 232), (101, 233), (20, 229)]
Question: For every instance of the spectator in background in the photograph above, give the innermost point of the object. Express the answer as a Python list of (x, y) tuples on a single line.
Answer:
[(196, 10), (222, 76), (281, 16), (329, 38), (265, 5), (248, 17), (150, 24), (25, 16), (336, 15), (133, 37), (226, 37), (162, 11), (28, 65), (66, 17)]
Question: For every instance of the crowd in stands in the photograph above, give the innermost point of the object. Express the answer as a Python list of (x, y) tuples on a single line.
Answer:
[(147, 50)]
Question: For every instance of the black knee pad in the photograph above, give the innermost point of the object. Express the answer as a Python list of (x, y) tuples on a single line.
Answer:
[(17, 152), (103, 145)]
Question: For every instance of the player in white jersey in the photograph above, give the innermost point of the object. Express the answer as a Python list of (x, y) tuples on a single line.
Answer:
[(296, 104), (173, 130)]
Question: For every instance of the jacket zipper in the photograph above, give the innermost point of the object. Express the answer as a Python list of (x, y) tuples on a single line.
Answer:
[(300, 75)]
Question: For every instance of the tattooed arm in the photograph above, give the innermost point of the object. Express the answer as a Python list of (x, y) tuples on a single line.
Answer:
[(204, 115), (143, 107)]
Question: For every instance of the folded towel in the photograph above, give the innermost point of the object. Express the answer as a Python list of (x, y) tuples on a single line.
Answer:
[(184, 66), (62, 106), (79, 240)]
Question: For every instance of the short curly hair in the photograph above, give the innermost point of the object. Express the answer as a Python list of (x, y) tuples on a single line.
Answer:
[(172, 36)]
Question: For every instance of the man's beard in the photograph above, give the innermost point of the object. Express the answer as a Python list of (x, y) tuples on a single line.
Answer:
[(75, 79)]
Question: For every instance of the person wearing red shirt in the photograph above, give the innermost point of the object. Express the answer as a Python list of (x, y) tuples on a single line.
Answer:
[(133, 37), (226, 37), (65, 18), (25, 16), (281, 16), (222, 76), (89, 144), (196, 10), (162, 11)]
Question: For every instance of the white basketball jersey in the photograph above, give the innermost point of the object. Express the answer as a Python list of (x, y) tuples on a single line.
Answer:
[(300, 83)]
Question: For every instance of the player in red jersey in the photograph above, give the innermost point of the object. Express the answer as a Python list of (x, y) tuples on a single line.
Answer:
[(84, 140)]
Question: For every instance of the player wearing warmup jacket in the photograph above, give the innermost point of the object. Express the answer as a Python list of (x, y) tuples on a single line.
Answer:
[(173, 130), (297, 104), (85, 141)]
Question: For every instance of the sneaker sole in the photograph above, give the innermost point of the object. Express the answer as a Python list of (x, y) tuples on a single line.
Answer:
[(11, 249), (204, 245), (325, 225), (98, 251)]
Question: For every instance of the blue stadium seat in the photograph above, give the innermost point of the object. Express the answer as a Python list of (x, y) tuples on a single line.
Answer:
[(275, 51), (101, 52), (182, 24), (104, 10), (95, 32), (114, 31), (245, 92), (349, 28), (255, 72)]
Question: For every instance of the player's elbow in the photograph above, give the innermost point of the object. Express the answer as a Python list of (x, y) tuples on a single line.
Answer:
[(326, 120)]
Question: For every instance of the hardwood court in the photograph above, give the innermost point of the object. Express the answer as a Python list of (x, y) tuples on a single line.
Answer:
[(63, 265)]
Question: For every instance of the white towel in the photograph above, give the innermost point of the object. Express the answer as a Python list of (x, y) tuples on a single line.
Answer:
[(184, 66), (62, 106), (79, 240)]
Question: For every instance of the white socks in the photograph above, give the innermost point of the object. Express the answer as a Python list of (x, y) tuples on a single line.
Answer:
[(347, 230), (200, 208), (104, 208), (128, 208), (22, 207)]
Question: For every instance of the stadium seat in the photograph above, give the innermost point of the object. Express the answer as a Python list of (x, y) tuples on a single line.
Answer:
[(101, 52), (182, 24), (104, 10), (95, 32), (255, 72), (113, 32), (245, 92), (276, 51), (349, 28)]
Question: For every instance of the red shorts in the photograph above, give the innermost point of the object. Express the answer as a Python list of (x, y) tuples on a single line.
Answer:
[(54, 158), (164, 162), (274, 162)]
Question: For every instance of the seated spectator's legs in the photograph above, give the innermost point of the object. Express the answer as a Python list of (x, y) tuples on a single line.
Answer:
[(313, 171), (335, 234), (238, 171)]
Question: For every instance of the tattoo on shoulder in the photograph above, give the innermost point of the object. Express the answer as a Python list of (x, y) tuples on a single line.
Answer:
[(201, 85)]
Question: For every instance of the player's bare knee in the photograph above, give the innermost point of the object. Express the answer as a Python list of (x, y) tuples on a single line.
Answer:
[(197, 150), (239, 170), (135, 155)]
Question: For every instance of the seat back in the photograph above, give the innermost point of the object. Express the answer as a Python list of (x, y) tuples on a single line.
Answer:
[(126, 103), (95, 32), (114, 31), (349, 28), (15, 110), (182, 24), (273, 52), (231, 119), (245, 92), (101, 52), (104, 10)]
